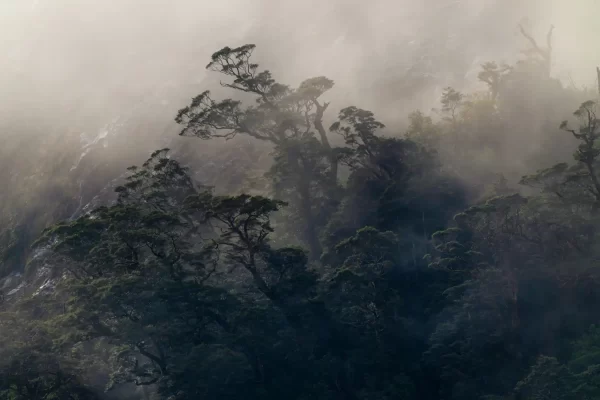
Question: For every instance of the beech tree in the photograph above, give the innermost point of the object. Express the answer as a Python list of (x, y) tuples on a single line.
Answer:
[(291, 119)]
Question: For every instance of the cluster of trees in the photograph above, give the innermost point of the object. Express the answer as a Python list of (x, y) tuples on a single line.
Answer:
[(366, 270)]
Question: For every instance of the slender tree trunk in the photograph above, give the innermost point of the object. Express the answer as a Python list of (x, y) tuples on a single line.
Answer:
[(325, 141), (310, 234), (310, 229)]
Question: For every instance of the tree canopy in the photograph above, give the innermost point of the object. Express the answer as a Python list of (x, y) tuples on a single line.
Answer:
[(373, 264)]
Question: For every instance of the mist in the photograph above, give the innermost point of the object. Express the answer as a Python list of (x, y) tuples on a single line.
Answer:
[(399, 257), (95, 57), (90, 87)]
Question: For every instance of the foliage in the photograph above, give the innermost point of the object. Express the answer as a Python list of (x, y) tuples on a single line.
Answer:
[(376, 269)]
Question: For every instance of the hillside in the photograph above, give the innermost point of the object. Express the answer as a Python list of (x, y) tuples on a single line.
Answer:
[(347, 207)]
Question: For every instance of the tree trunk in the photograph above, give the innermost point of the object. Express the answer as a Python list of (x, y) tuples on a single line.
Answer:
[(325, 141), (310, 235), (310, 229)]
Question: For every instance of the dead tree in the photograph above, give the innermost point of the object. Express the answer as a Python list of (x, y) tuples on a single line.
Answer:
[(543, 54)]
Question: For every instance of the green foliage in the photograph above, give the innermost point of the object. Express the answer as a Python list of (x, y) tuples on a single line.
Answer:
[(31, 366), (189, 294), (306, 166), (452, 101), (546, 380)]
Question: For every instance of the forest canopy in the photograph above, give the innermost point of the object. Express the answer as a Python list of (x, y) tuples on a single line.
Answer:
[(366, 263)]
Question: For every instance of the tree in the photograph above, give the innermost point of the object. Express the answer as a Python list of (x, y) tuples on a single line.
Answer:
[(394, 184), (587, 152), (290, 119), (499, 254), (492, 75), (171, 277), (135, 280), (540, 55), (31, 367), (546, 380)]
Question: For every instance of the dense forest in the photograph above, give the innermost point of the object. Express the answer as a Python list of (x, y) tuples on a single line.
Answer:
[(317, 254)]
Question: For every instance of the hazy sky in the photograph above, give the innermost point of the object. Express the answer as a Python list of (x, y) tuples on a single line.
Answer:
[(70, 68), (66, 53)]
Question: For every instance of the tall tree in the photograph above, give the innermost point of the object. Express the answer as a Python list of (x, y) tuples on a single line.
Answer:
[(290, 119)]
